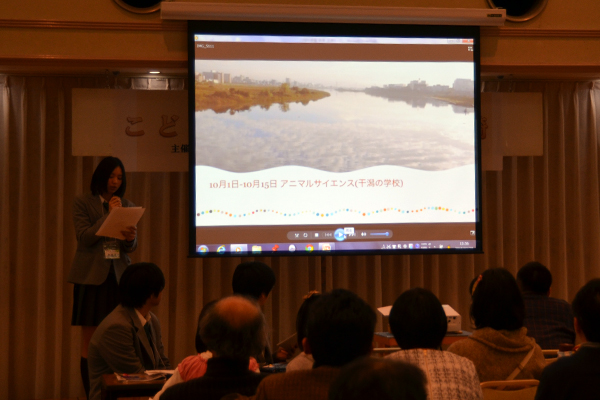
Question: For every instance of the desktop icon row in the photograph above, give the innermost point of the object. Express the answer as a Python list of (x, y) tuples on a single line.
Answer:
[(243, 248)]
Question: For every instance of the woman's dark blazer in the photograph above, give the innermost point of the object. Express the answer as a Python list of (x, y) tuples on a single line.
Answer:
[(89, 265)]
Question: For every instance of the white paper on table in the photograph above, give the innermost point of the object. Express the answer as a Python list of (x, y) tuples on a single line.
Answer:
[(160, 371), (118, 220)]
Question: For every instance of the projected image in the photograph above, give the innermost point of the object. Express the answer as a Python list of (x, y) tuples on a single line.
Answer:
[(334, 116), (306, 142)]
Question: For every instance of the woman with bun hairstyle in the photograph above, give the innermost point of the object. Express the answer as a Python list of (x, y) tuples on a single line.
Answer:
[(499, 347)]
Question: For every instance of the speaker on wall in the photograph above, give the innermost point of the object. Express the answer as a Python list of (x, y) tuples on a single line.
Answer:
[(519, 10), (140, 6)]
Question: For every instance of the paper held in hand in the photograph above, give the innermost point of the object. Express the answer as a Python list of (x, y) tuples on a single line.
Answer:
[(139, 377), (118, 220)]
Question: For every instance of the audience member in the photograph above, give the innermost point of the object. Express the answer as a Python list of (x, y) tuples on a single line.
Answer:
[(195, 366), (129, 339), (548, 320), (232, 330), (339, 330), (256, 280), (381, 379), (419, 324), (578, 376), (499, 347), (303, 360), (253, 279)]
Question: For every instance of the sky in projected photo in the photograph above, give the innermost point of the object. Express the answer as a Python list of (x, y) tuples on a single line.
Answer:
[(348, 130), (347, 74)]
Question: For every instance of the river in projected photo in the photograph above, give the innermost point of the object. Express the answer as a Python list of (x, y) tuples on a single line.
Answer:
[(346, 131)]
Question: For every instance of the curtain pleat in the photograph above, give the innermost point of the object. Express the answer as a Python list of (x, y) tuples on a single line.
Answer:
[(5, 250), (544, 208)]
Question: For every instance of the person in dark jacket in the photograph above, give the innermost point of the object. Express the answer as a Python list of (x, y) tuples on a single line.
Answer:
[(578, 376), (548, 320)]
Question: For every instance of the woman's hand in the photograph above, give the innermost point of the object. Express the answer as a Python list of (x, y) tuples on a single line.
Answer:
[(130, 233), (114, 203)]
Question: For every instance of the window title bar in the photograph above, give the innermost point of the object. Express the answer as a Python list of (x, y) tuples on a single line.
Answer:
[(326, 39)]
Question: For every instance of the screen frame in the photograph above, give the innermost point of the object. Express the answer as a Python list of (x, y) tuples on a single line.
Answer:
[(333, 29)]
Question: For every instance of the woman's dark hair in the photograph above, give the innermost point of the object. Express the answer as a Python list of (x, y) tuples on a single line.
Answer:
[(102, 173), (138, 282), (418, 320), (302, 316), (200, 346), (497, 301), (340, 328), (586, 308)]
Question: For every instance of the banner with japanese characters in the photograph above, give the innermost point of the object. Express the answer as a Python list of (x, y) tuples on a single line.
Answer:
[(146, 129)]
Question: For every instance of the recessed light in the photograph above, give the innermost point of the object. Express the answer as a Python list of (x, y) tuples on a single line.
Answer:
[(155, 72)]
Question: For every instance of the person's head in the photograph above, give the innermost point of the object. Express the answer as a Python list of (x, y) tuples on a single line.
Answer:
[(497, 302), (200, 346), (340, 328), (140, 283), (379, 378), (109, 178), (586, 310), (302, 316), (418, 320), (253, 279), (534, 277), (234, 327)]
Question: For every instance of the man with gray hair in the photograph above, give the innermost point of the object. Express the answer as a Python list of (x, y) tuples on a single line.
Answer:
[(233, 330)]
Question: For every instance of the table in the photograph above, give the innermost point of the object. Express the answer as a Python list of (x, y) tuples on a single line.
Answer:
[(386, 339), (112, 388)]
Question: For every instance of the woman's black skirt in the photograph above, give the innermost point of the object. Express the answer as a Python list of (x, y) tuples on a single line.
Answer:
[(91, 303)]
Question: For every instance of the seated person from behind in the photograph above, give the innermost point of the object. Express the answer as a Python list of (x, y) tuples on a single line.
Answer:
[(548, 320), (129, 339), (339, 330), (232, 330), (195, 366), (499, 347), (303, 360), (381, 379), (256, 280), (578, 376), (419, 324)]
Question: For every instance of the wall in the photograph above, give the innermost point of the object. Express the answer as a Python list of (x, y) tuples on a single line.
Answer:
[(75, 33)]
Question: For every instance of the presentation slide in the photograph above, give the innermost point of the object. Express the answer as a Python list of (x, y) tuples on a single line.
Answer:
[(334, 144)]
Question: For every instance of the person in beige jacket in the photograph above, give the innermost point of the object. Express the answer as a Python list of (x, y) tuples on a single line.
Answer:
[(500, 347)]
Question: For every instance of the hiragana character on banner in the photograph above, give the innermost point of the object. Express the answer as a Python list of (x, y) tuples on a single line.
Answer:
[(168, 124), (133, 121)]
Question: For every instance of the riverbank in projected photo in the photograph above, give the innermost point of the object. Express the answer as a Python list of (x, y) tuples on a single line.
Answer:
[(334, 116)]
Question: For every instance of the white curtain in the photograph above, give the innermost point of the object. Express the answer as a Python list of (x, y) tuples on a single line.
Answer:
[(538, 208)]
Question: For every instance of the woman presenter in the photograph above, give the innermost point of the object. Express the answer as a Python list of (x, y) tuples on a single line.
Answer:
[(99, 261)]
